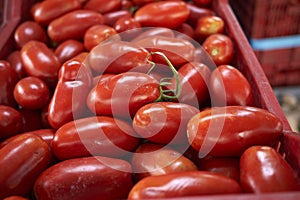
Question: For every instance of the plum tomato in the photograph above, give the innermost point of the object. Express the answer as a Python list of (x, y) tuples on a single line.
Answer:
[(228, 86), (10, 122), (207, 26), (31, 93), (86, 178), (128, 27), (96, 135), (164, 122), (264, 170), (230, 130), (196, 13), (14, 58), (152, 159), (191, 183), (68, 49), (220, 48), (111, 17), (169, 14), (103, 6)]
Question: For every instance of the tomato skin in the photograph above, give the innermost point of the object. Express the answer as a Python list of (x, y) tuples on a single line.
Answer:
[(97, 135), (117, 56), (21, 162), (46, 11), (41, 62), (97, 34), (196, 13), (123, 94), (68, 49), (155, 31), (264, 170), (178, 51), (164, 122), (128, 28), (15, 198), (73, 25), (111, 17), (152, 159), (14, 58), (169, 14), (10, 121), (31, 119), (103, 6), (207, 26), (220, 48), (8, 80), (75, 81), (29, 30), (236, 127), (86, 178), (228, 86), (191, 183), (31, 93)]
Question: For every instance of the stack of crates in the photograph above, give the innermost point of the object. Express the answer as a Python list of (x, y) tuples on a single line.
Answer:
[(273, 30)]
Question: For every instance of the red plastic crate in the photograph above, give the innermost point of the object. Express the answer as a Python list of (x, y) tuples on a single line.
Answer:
[(244, 59)]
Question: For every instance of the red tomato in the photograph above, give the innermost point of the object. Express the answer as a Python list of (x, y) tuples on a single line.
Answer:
[(230, 130), (73, 25), (169, 14), (164, 122), (263, 170), (41, 62), (123, 94), (185, 31), (75, 81), (156, 31), (154, 159), (117, 56), (196, 13), (29, 30), (220, 48), (46, 11), (14, 58), (8, 80), (207, 26), (178, 51), (31, 93), (87, 178), (10, 121), (68, 49), (97, 34), (31, 119), (103, 6), (111, 17), (202, 2), (128, 28), (15, 198), (21, 162), (183, 184), (228, 86), (97, 135)]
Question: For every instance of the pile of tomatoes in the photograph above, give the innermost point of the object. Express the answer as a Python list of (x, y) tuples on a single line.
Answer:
[(131, 99)]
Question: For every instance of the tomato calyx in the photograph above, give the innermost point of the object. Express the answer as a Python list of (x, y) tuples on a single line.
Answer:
[(164, 83)]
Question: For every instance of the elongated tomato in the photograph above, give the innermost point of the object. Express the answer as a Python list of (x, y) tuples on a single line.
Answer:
[(228, 131)]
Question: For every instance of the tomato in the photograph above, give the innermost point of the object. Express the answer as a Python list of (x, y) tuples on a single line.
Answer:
[(116, 57), (10, 121), (220, 48), (102, 77), (41, 62), (202, 2), (21, 162), (228, 166), (207, 26), (31, 119), (46, 11), (183, 184), (14, 58), (75, 81), (31, 93), (228, 86), (97, 34), (29, 30), (196, 13), (194, 79), (154, 159), (73, 25), (8, 80), (264, 170), (169, 14), (128, 28), (123, 94), (164, 122), (155, 31), (178, 51), (96, 135), (111, 17), (103, 6), (15, 198), (68, 49), (185, 31), (230, 130), (86, 178)]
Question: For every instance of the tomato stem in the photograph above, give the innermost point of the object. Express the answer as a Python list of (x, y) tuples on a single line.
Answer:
[(166, 94)]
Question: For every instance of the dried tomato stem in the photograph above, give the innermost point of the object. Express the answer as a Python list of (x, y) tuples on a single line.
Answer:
[(166, 81)]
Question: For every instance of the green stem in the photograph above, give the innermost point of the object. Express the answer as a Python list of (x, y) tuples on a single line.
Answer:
[(166, 81)]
